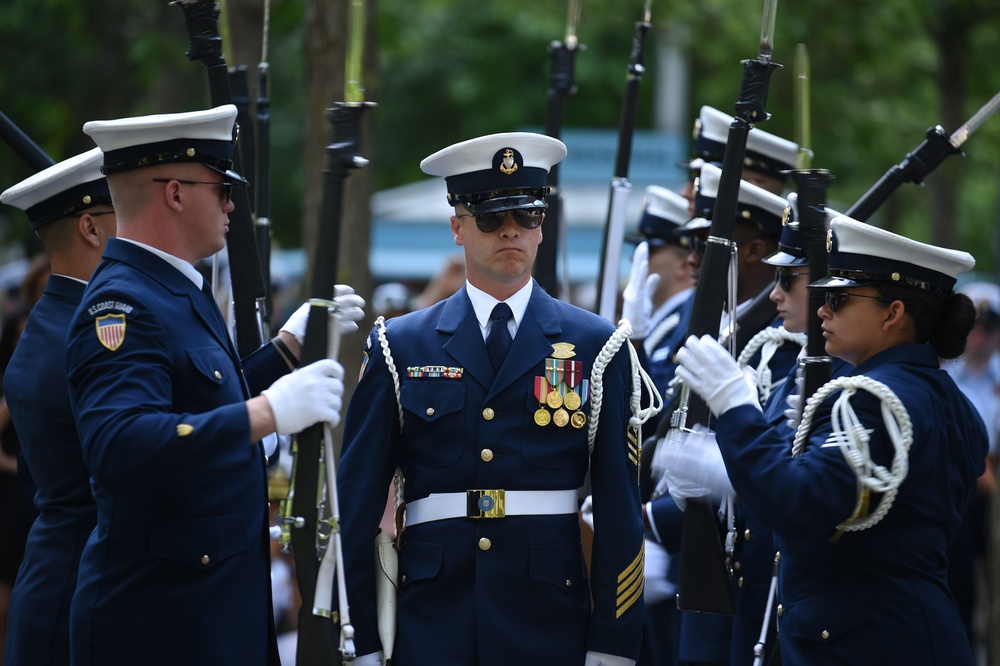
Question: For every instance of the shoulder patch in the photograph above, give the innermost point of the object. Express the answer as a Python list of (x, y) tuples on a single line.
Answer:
[(110, 330)]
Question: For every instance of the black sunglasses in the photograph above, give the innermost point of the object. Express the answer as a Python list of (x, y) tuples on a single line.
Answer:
[(783, 277), (227, 186), (529, 218), (835, 297)]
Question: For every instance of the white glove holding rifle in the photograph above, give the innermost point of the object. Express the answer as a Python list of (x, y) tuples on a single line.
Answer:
[(694, 465), (309, 395), (349, 304), (637, 299), (711, 372)]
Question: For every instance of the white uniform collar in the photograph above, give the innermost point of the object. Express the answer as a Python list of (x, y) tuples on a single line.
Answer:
[(483, 305), (189, 271)]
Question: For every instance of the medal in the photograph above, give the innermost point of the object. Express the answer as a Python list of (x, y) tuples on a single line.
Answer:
[(554, 399), (578, 420), (572, 400), (542, 416), (560, 417)]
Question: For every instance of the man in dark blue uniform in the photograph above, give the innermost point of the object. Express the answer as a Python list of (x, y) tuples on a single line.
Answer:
[(493, 452), (69, 208), (178, 568)]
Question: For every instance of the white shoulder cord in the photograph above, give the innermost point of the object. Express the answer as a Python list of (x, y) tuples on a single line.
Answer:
[(397, 479), (667, 325), (768, 341), (639, 379), (852, 438)]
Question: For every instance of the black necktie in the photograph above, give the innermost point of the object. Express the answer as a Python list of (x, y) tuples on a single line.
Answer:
[(498, 340)]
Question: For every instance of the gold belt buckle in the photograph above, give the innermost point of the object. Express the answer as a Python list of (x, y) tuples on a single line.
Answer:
[(485, 503)]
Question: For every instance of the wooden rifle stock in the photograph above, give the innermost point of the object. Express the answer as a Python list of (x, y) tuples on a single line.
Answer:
[(244, 263)]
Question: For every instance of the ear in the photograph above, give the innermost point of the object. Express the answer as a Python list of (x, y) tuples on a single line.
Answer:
[(172, 196), (86, 226), (894, 315), (456, 230), (756, 250)]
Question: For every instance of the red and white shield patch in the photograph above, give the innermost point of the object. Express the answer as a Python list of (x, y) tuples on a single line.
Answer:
[(111, 330)]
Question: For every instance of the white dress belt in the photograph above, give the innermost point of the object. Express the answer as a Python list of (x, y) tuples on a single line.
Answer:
[(490, 504)]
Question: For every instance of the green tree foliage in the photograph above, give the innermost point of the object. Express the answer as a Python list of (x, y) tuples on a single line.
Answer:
[(882, 74)]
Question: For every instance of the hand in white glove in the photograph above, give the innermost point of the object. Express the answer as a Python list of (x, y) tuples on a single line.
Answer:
[(587, 512), (709, 370), (603, 659), (694, 466), (637, 299), (350, 308), (309, 395), (794, 401)]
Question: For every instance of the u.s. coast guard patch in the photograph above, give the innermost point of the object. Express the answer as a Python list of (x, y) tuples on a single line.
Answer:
[(111, 330)]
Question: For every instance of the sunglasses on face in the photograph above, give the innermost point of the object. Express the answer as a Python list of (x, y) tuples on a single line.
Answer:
[(783, 277), (529, 218), (835, 297), (227, 187)]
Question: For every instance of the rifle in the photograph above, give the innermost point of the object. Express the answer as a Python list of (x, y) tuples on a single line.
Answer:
[(313, 447), (812, 185), (936, 146), (262, 177), (703, 579), (244, 264), (562, 56), (29, 151), (614, 226)]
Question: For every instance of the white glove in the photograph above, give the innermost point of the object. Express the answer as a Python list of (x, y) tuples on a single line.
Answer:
[(307, 396), (602, 659), (349, 303), (709, 370), (794, 401), (371, 659), (637, 299), (587, 512), (694, 466)]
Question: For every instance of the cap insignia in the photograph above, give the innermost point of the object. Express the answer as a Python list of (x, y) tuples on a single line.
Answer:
[(508, 165), (697, 128), (829, 240), (563, 350), (785, 214)]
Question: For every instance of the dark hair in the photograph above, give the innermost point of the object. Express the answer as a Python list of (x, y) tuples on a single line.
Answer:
[(942, 320)]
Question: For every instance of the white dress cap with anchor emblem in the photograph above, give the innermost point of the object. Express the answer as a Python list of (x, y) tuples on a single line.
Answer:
[(497, 172), (862, 254)]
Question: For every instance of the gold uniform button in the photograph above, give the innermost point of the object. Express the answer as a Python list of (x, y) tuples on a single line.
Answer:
[(488, 413), (740, 581), (569, 583), (430, 411), (484, 544), (747, 535), (218, 375), (825, 634), (205, 559), (402, 578), (486, 455), (737, 565), (781, 610)]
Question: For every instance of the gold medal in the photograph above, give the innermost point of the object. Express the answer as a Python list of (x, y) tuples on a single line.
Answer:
[(572, 400), (560, 417), (554, 399), (578, 420), (542, 416)]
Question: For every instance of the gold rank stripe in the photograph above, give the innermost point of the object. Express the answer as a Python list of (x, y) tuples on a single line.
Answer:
[(630, 584), (633, 454)]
